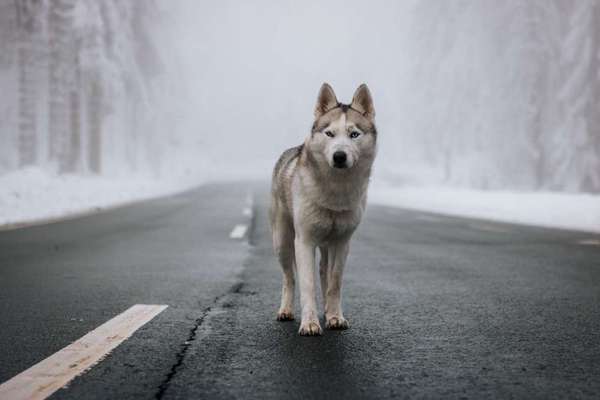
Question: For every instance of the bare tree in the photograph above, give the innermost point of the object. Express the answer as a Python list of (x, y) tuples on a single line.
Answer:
[(60, 78), (543, 35), (73, 160), (96, 39), (95, 100), (576, 148), (29, 15)]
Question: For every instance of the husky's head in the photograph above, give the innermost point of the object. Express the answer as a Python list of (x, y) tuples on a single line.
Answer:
[(344, 135)]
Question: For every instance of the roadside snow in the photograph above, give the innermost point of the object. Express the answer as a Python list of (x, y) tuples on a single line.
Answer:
[(33, 195), (554, 210)]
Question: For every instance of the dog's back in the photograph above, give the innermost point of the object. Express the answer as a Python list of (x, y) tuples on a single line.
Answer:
[(281, 199)]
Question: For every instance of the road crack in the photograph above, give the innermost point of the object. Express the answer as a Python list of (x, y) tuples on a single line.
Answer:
[(219, 302), (192, 335)]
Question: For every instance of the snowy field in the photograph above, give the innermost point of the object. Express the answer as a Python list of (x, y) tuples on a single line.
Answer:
[(33, 196), (579, 212)]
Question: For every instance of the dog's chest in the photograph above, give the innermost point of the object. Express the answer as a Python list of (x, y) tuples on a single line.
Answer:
[(326, 226)]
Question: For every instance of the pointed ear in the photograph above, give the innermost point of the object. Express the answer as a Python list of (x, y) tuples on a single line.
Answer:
[(326, 100), (363, 102)]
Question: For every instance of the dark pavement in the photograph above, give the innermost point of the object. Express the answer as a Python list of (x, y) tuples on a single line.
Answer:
[(439, 307)]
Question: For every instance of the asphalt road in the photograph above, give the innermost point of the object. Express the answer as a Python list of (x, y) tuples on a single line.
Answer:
[(439, 307)]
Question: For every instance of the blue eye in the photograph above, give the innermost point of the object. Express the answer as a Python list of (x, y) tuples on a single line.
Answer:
[(329, 133), (354, 134)]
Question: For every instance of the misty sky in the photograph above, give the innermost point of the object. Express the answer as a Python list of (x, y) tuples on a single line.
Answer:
[(254, 70)]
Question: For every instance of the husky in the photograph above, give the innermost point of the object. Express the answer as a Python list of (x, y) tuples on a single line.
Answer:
[(318, 197)]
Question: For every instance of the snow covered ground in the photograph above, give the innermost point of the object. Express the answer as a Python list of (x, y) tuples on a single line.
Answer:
[(34, 196), (554, 210)]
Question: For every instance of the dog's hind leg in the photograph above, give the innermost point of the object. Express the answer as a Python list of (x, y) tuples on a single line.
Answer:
[(283, 243)]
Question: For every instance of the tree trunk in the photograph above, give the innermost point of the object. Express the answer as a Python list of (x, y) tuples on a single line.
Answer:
[(28, 28), (60, 68), (74, 155), (593, 107), (94, 111)]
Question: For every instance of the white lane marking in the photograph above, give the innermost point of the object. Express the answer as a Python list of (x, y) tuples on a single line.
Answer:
[(428, 218), (481, 226), (589, 242), (248, 209), (238, 231), (49, 375)]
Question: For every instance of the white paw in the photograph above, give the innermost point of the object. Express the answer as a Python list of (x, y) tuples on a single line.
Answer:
[(285, 315), (337, 323), (310, 328)]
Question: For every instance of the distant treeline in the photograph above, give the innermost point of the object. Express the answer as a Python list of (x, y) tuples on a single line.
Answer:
[(76, 78), (507, 94), (477, 93)]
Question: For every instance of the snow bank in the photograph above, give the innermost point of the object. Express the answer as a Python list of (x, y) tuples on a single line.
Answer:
[(33, 195), (554, 210)]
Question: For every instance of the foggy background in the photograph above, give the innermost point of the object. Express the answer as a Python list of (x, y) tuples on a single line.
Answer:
[(477, 94)]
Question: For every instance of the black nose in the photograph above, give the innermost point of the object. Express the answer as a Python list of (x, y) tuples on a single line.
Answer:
[(339, 159)]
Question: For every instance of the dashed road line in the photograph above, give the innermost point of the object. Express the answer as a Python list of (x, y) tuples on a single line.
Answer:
[(239, 231), (486, 227), (428, 218), (589, 242), (51, 374)]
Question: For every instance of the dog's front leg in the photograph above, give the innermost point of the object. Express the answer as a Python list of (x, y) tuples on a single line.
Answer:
[(305, 265), (333, 305)]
